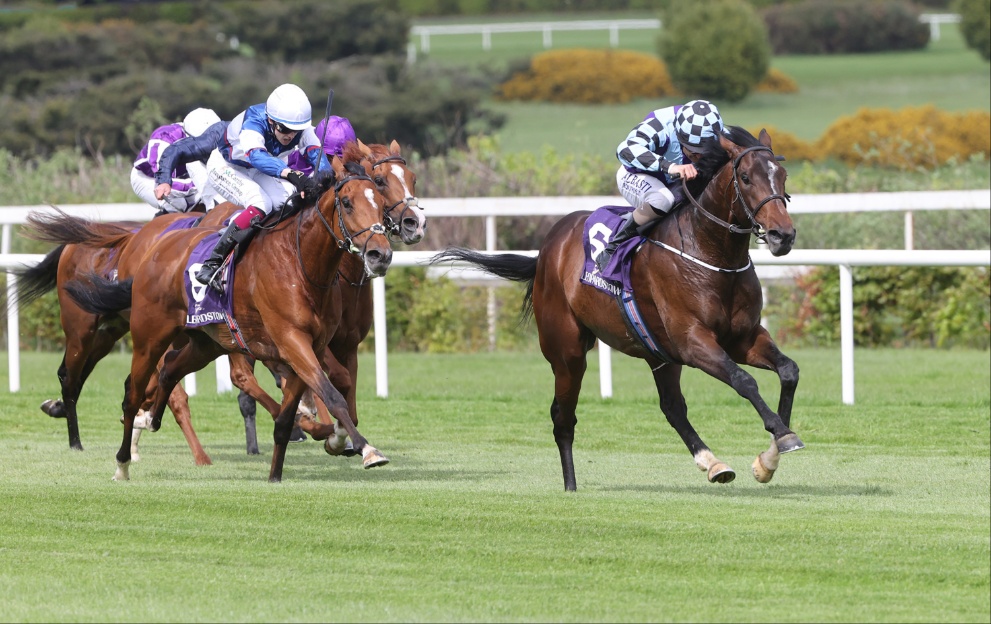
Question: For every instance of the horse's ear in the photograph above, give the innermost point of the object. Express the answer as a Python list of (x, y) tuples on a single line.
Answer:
[(367, 151), (394, 148), (338, 166), (726, 143), (764, 138)]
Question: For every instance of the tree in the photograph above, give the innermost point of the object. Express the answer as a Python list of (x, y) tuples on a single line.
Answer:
[(975, 24), (715, 49)]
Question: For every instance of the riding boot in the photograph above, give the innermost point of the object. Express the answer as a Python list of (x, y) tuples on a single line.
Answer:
[(628, 230), (209, 272)]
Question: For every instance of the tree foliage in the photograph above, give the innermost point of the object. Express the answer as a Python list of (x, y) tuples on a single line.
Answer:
[(715, 49), (975, 24)]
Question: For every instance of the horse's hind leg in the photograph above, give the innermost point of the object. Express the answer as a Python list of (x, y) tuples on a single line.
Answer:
[(564, 346), (667, 378), (765, 354)]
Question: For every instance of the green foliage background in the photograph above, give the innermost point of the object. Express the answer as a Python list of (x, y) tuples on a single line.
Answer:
[(714, 49)]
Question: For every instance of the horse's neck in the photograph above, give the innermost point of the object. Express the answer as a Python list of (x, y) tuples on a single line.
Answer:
[(318, 251), (699, 236)]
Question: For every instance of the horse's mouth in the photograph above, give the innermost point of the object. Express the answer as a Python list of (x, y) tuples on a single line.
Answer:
[(780, 243)]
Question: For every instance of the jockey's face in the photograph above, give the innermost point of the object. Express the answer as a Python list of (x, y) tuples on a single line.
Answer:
[(282, 134)]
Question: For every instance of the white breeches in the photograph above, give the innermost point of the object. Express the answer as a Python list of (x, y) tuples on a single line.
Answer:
[(648, 195), (247, 186), (176, 201)]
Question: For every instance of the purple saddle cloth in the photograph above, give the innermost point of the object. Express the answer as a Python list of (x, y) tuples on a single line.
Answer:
[(614, 278), (206, 306)]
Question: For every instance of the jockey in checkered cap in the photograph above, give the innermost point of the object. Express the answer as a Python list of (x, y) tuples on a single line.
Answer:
[(652, 153)]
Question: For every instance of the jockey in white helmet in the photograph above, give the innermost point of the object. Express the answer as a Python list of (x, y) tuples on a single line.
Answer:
[(166, 183), (250, 165)]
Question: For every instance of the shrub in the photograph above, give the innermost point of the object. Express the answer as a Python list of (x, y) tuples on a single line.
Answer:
[(912, 137), (788, 145), (776, 81), (975, 25), (585, 76), (716, 49), (844, 26), (893, 306)]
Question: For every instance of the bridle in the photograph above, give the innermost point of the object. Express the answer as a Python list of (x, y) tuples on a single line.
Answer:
[(347, 242), (751, 213), (393, 226)]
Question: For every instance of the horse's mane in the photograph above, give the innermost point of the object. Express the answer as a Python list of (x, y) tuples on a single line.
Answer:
[(714, 157)]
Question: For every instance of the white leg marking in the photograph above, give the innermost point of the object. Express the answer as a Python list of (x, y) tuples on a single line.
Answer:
[(704, 459)]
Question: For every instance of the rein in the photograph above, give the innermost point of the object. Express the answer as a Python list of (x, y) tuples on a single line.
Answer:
[(751, 214), (347, 242)]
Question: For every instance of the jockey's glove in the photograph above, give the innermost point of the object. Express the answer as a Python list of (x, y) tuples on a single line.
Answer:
[(304, 184)]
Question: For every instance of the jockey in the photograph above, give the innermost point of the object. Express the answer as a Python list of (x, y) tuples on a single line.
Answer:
[(167, 184), (334, 133), (250, 166), (191, 152), (650, 157)]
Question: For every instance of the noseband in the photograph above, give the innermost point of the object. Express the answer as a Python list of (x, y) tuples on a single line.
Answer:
[(751, 214), (394, 227)]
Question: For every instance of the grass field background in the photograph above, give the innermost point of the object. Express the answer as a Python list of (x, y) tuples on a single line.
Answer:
[(946, 74), (883, 517)]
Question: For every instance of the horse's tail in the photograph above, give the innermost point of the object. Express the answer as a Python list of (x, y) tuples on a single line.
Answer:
[(515, 267), (35, 281), (99, 295), (60, 228)]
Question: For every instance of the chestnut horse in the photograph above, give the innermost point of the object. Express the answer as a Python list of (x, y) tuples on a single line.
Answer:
[(89, 337), (696, 287), (284, 315)]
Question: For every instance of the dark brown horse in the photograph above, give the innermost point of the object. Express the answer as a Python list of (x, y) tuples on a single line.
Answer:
[(89, 337), (696, 287), (281, 302)]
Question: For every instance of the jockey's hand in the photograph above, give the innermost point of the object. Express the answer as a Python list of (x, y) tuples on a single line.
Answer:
[(686, 171), (306, 185), (162, 190)]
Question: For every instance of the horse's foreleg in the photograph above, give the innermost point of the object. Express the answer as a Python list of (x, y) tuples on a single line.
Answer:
[(667, 378), (763, 353), (292, 390), (301, 357), (179, 404), (705, 354), (341, 378)]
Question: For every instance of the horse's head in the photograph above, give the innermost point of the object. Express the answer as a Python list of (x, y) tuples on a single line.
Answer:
[(754, 183), (403, 215), (358, 206)]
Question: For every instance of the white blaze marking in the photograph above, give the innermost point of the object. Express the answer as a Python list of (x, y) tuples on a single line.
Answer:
[(772, 169), (370, 195)]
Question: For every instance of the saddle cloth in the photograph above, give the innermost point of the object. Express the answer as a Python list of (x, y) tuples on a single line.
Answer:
[(206, 306), (614, 278)]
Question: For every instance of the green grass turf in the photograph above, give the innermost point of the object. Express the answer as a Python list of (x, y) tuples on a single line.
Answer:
[(883, 517), (946, 74)]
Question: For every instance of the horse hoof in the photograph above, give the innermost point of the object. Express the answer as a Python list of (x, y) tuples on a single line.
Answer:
[(349, 450), (335, 446), (54, 408), (761, 473), (788, 443), (297, 435), (122, 474), (720, 473), (373, 459)]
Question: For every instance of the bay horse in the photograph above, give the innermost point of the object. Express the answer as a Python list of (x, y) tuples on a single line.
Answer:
[(90, 337), (281, 304), (697, 289)]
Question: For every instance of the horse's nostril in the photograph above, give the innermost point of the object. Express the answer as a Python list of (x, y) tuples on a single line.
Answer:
[(410, 223)]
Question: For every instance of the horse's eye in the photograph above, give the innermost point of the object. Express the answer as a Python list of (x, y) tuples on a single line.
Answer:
[(745, 178), (346, 202), (379, 181)]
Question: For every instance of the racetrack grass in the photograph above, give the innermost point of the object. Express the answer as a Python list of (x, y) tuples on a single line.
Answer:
[(883, 517)]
